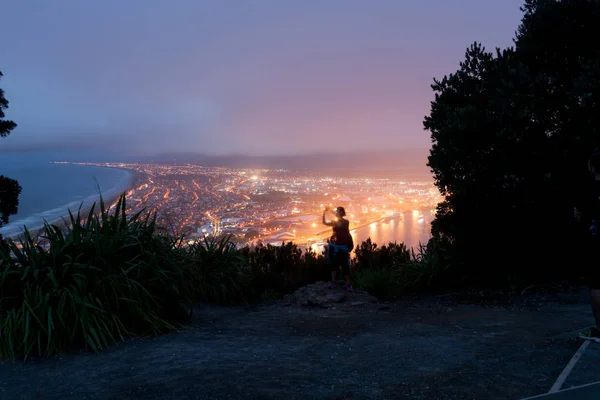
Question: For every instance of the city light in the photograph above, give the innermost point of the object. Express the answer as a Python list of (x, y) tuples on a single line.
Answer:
[(267, 205)]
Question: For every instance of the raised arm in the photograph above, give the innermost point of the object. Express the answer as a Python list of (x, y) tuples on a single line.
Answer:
[(328, 223)]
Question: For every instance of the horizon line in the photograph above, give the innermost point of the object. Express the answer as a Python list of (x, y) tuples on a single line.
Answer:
[(221, 154), (285, 154)]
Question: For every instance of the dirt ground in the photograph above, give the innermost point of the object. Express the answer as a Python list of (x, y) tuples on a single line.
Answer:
[(420, 349)]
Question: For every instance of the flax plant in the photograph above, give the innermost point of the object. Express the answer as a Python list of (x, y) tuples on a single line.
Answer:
[(89, 284)]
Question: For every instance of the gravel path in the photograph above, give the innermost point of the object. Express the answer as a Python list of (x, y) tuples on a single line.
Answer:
[(417, 350)]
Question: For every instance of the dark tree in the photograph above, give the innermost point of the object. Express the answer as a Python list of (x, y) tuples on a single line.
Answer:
[(511, 132), (556, 42), (9, 188)]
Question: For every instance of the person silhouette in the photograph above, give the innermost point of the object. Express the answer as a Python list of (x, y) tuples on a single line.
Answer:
[(339, 246)]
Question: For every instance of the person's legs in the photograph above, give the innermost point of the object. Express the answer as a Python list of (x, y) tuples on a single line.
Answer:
[(332, 262), (341, 261), (333, 284), (345, 262)]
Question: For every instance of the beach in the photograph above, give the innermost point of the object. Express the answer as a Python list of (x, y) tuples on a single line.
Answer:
[(59, 214)]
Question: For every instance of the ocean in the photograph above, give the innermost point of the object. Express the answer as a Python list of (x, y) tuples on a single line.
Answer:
[(413, 229), (50, 190)]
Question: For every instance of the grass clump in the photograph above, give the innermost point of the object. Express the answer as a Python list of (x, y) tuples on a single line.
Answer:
[(218, 270), (107, 277), (279, 270), (392, 270)]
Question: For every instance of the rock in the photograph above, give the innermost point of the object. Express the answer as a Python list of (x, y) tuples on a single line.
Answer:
[(320, 295)]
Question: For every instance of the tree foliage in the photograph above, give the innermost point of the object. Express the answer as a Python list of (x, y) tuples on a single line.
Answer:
[(511, 132), (5, 126), (9, 188)]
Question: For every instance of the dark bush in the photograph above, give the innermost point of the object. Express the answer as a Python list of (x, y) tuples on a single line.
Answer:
[(106, 278), (218, 272), (283, 269)]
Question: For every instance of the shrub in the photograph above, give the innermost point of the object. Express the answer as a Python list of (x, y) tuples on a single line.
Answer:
[(107, 277), (427, 269), (315, 267), (283, 269), (381, 283), (218, 272), (392, 270), (368, 255)]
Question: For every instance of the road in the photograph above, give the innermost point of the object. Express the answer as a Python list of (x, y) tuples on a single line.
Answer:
[(405, 350)]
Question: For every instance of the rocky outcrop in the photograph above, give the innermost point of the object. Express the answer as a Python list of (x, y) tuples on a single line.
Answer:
[(320, 295)]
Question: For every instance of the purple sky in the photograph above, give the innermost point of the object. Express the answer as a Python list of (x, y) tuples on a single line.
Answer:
[(220, 76)]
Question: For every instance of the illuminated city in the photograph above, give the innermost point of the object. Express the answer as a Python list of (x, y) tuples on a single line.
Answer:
[(268, 206)]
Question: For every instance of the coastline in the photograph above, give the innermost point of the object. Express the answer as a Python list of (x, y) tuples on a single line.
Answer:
[(62, 220)]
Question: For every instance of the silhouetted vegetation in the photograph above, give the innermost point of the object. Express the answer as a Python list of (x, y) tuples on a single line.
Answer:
[(511, 133), (279, 270), (107, 277), (393, 270), (9, 188)]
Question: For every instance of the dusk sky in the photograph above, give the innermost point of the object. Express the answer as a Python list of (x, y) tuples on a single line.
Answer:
[(256, 77)]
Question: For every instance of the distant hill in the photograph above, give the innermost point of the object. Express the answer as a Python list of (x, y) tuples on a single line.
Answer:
[(406, 159)]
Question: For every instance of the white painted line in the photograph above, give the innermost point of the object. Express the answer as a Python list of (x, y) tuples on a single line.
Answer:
[(575, 389), (565, 373)]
